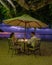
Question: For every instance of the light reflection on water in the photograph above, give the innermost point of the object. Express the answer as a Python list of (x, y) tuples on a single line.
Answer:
[(22, 35)]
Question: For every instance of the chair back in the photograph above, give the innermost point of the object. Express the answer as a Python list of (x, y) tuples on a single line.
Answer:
[(37, 44), (10, 43)]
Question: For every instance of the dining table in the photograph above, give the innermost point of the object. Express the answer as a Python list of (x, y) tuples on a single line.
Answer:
[(25, 41)]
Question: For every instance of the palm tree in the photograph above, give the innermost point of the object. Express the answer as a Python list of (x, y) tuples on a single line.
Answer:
[(33, 4), (4, 4), (27, 4), (7, 8), (14, 7)]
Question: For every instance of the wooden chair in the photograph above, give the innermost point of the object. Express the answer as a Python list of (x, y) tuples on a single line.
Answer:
[(10, 45), (14, 47), (35, 49)]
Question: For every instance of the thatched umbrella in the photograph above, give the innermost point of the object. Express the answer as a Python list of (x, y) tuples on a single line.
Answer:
[(25, 20)]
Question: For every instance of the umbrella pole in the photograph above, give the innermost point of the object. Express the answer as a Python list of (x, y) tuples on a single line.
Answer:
[(25, 37), (35, 30)]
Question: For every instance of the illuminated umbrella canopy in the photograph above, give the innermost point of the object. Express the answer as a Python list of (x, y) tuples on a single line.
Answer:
[(25, 21)]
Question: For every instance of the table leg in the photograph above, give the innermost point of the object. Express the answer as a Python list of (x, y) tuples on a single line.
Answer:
[(24, 47)]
